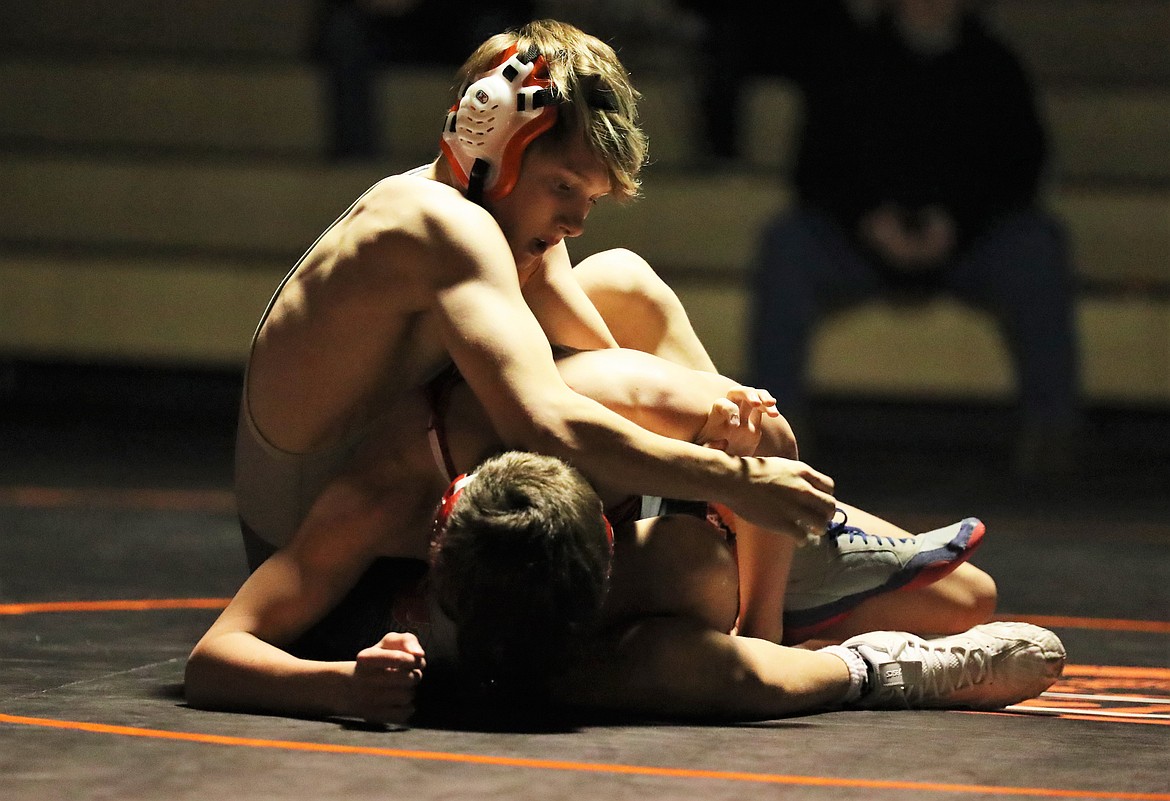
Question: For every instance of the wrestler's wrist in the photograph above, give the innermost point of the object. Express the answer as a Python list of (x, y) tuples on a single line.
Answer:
[(738, 475), (339, 688)]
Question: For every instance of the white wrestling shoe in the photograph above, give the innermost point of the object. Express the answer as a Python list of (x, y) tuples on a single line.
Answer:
[(989, 667), (834, 574)]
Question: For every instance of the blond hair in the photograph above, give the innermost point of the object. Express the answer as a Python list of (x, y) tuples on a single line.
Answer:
[(598, 99)]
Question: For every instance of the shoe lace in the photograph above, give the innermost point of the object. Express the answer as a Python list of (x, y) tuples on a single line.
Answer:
[(948, 669), (838, 527), (835, 526)]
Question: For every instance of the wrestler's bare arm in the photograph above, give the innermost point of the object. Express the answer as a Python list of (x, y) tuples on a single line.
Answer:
[(502, 352), (679, 667), (372, 509), (561, 306)]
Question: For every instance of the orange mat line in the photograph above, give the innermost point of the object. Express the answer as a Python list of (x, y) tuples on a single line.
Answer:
[(1102, 624), (562, 765), (1116, 672), (210, 500), (133, 605), (1097, 623)]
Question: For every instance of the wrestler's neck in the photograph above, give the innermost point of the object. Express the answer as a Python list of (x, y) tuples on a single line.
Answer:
[(439, 170)]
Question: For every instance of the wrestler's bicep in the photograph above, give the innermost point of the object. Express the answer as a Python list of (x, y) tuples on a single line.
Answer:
[(501, 351), (562, 308)]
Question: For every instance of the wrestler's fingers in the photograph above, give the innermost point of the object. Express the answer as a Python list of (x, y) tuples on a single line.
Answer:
[(818, 509), (814, 507), (756, 415), (756, 398), (727, 410), (402, 641), (398, 688), (817, 479), (377, 658)]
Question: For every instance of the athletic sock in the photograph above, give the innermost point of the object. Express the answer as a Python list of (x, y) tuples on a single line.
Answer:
[(858, 670)]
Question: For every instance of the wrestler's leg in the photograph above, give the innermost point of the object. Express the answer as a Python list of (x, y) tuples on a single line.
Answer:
[(966, 597), (765, 559), (672, 400), (641, 310), (669, 655), (962, 599), (656, 393)]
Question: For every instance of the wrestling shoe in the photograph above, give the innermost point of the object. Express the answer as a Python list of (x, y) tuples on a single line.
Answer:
[(831, 576), (989, 667)]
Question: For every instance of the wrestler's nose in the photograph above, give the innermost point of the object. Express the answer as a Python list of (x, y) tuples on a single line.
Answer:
[(572, 222)]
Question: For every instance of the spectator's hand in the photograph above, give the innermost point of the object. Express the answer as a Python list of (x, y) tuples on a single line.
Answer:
[(909, 248), (385, 677), (733, 424), (937, 235)]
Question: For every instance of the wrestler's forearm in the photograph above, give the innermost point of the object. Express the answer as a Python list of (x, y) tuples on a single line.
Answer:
[(237, 671), (764, 560), (775, 493), (621, 456), (674, 667)]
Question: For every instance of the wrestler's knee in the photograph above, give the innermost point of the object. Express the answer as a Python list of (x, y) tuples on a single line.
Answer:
[(622, 277), (777, 439)]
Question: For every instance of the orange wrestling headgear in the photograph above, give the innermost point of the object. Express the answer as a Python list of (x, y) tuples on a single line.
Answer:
[(488, 129)]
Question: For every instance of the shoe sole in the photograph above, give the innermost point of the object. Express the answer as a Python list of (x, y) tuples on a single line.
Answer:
[(923, 570)]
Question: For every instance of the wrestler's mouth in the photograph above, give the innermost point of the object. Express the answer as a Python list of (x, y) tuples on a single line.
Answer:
[(541, 246)]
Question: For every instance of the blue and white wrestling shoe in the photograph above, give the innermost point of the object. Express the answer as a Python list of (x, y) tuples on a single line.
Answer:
[(834, 574)]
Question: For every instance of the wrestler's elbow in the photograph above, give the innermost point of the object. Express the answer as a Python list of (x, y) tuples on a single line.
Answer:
[(566, 427), (200, 678), (214, 677)]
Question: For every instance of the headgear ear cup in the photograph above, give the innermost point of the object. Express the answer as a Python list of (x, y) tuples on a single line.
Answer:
[(500, 113), (447, 504)]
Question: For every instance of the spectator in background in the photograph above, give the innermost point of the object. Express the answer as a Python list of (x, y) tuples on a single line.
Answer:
[(916, 173), (356, 38)]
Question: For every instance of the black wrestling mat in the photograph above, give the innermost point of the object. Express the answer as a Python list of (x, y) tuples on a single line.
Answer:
[(106, 585)]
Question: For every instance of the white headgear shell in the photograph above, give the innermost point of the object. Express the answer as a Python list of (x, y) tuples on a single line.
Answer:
[(491, 112)]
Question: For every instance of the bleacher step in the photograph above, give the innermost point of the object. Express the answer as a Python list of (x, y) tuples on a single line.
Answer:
[(201, 312)]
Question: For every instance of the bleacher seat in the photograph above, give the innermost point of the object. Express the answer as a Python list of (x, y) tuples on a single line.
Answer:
[(163, 166)]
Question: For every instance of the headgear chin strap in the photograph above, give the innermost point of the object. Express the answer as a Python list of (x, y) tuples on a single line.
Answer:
[(451, 497), (499, 115)]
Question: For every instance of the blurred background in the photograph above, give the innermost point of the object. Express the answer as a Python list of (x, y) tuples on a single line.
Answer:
[(162, 165)]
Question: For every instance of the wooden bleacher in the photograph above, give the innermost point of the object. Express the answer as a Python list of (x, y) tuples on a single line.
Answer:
[(162, 168)]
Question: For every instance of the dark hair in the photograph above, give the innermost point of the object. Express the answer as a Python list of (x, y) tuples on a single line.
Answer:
[(522, 568)]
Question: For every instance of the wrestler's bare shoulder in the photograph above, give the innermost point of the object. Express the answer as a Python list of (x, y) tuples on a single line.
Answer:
[(409, 209)]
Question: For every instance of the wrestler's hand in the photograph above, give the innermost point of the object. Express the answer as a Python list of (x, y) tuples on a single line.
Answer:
[(784, 495), (733, 425), (385, 677)]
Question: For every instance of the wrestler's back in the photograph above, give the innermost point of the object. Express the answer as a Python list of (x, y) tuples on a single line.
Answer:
[(350, 330)]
